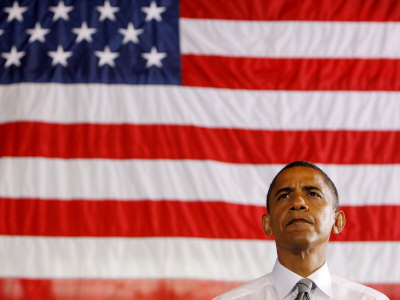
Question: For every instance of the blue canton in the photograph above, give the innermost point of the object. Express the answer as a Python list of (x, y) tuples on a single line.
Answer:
[(97, 41)]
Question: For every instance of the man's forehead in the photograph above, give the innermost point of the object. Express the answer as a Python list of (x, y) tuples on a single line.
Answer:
[(300, 175)]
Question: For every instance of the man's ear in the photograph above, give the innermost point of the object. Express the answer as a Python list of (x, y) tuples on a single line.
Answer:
[(266, 223), (340, 221)]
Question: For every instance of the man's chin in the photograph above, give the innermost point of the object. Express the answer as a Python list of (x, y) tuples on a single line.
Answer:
[(300, 241)]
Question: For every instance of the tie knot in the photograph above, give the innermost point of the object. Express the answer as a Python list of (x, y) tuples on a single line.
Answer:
[(304, 285)]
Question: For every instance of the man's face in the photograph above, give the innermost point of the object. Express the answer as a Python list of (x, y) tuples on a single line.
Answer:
[(301, 210)]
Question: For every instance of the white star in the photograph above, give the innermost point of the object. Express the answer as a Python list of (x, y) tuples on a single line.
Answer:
[(153, 12), (37, 33), (60, 56), (1, 31), (13, 57), (130, 34), (84, 33), (15, 12), (154, 57), (61, 11), (106, 57), (107, 11)]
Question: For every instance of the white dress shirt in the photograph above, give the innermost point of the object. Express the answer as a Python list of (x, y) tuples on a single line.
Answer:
[(280, 285)]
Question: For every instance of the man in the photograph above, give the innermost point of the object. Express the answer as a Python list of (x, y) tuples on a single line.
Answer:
[(302, 205)]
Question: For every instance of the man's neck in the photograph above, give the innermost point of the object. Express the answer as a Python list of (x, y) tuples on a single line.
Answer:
[(302, 262)]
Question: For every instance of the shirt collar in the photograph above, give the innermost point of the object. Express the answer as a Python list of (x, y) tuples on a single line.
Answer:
[(284, 279)]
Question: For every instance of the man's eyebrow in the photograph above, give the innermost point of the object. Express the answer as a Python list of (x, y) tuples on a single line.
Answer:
[(312, 187)]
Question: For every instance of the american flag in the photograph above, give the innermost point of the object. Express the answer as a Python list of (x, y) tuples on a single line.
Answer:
[(138, 139)]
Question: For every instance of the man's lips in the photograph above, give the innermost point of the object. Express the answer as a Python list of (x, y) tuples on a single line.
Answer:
[(298, 219)]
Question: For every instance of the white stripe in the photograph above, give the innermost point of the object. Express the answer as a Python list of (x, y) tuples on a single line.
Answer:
[(207, 107), (189, 180), (180, 258), (290, 39)]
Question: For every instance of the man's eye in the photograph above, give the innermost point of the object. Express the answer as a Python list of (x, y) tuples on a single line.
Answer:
[(313, 194), (283, 196)]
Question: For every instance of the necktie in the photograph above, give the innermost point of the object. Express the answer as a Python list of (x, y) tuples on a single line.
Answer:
[(304, 287)]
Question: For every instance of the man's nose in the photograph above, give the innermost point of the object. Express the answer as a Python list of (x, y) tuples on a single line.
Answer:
[(299, 203)]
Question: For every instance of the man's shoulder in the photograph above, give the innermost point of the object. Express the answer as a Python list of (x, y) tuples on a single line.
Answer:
[(250, 289), (357, 290)]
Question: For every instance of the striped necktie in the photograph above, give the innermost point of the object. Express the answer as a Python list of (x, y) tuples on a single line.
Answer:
[(304, 287)]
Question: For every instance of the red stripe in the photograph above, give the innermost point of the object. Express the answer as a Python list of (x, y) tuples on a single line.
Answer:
[(370, 223), (300, 10), (111, 289), (128, 289), (392, 290), (36, 217), (290, 74), (30, 139)]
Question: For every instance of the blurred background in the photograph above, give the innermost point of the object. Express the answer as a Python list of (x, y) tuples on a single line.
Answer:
[(138, 140)]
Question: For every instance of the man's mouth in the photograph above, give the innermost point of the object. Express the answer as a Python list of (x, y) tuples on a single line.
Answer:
[(298, 220)]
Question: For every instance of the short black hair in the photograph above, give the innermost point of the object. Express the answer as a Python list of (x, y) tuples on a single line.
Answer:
[(302, 163)]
